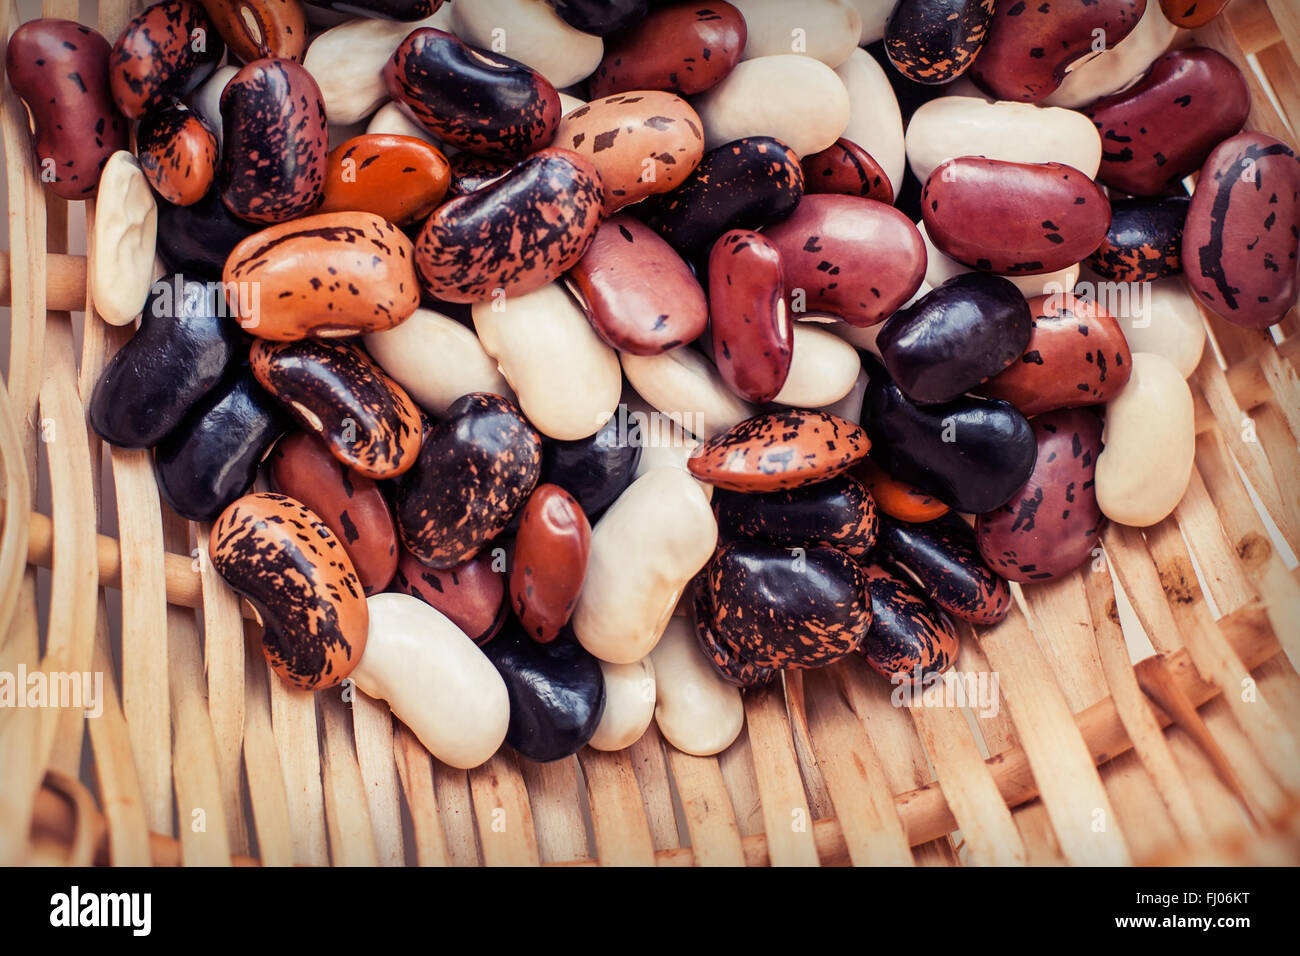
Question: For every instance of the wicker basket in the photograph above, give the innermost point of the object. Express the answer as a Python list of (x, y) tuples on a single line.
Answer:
[(201, 756)]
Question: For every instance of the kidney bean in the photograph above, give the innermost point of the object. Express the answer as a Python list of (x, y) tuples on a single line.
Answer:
[(162, 54), (875, 121), (470, 172), (198, 238), (747, 184), (961, 334), (943, 556), (729, 662), (629, 705), (550, 561), (1014, 218), (644, 552), (480, 102), (1144, 241), (471, 594), (940, 267), (394, 119), (1243, 229), (1117, 66), (125, 238), (796, 99), (697, 711), (60, 69), (845, 167), (637, 292), (788, 611), (601, 17), (909, 642), (936, 41), (567, 379), (557, 694), (300, 269), (826, 30), (971, 453), (854, 258), (684, 48), (289, 565), (824, 369), (780, 450), (1160, 130), (532, 33), (1167, 322), (434, 679), (895, 498), (368, 421), (178, 154), (274, 142), (304, 468), (476, 468), (952, 126), (399, 178), (1192, 15), (1031, 47), (515, 235), (347, 62), (437, 360), (838, 513), (1054, 524), (666, 444), (1077, 355), (751, 334), (178, 355), (401, 10), (212, 456), (255, 29), (1148, 445), (596, 469)]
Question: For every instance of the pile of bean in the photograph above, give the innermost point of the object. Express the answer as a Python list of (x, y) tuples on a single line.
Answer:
[(787, 331)]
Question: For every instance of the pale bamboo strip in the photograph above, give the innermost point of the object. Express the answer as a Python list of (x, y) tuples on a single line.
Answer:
[(855, 780), (894, 739), (199, 810), (796, 708), (1279, 673), (145, 698), (1272, 431), (20, 754), (113, 15), (1135, 713), (17, 502), (1249, 384), (1287, 18), (553, 793), (1249, 454), (1283, 76), (267, 793), (786, 817), (647, 756), (1284, 384), (115, 774), (27, 261), (1060, 622), (372, 728), (293, 726), (1081, 813), (505, 818), (706, 807), (1218, 35), (1266, 798), (1222, 812), (1198, 519), (415, 768), (1143, 817), (70, 638), (617, 815), (737, 766), (347, 817), (1215, 658), (65, 280), (223, 653), (1253, 25), (1126, 550), (456, 809), (989, 834)]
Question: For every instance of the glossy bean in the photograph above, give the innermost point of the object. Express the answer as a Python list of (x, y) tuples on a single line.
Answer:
[(729, 662), (198, 239), (333, 388), (845, 167), (895, 498), (909, 642), (178, 153), (534, 34), (637, 292), (644, 551), (1165, 319), (943, 556), (435, 680), (935, 41), (300, 270), (290, 566), (471, 594), (1053, 524), (350, 504), (1118, 65), (274, 142), (596, 469), (825, 30), (399, 178), (254, 29), (752, 337), (1144, 241), (875, 121), (697, 711), (476, 468), (838, 513), (550, 561), (823, 369), (212, 456), (684, 48), (1192, 15), (780, 450), (178, 355), (60, 69), (686, 388), (125, 238), (162, 54), (347, 62), (515, 235), (629, 705)]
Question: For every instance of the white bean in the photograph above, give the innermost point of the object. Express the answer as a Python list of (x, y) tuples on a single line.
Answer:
[(875, 122), (686, 386), (826, 30), (1117, 67), (347, 63), (1163, 318), (531, 32), (125, 240), (823, 368), (629, 704), (698, 712), (395, 119)]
